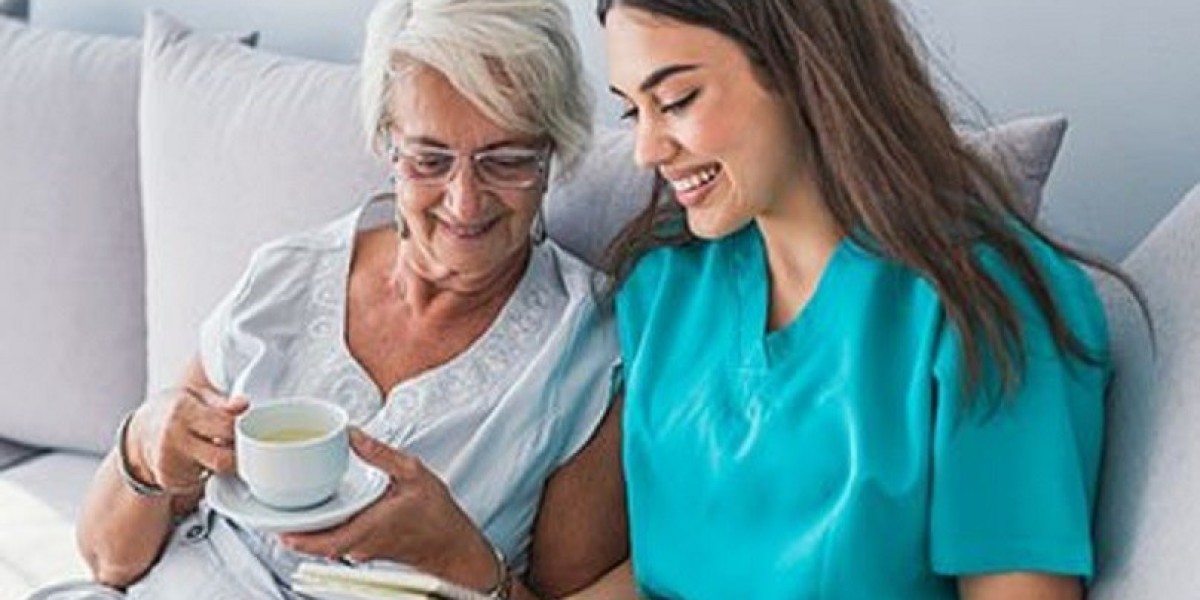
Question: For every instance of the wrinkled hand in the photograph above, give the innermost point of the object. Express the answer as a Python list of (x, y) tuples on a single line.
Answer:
[(182, 436), (416, 522)]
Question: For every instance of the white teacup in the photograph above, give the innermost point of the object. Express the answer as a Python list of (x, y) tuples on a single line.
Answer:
[(292, 452)]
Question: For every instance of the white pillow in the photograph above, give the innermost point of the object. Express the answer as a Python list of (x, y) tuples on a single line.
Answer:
[(1147, 514), (238, 147), (72, 335)]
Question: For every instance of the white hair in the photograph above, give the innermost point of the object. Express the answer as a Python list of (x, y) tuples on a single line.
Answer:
[(517, 61)]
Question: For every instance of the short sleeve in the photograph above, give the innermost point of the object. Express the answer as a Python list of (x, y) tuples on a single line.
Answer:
[(1014, 481), (216, 353), (585, 389), (583, 381)]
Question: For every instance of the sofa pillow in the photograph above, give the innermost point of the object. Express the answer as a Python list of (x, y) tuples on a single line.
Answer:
[(1024, 149), (11, 454), (72, 335), (1148, 519), (586, 211), (238, 147), (17, 9)]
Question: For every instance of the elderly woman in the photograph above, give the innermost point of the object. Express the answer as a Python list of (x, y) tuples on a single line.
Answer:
[(466, 347)]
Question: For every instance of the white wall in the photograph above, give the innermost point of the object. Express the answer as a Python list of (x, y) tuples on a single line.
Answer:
[(1127, 75)]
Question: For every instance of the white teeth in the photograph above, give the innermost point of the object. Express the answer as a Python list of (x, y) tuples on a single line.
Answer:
[(468, 231), (692, 182)]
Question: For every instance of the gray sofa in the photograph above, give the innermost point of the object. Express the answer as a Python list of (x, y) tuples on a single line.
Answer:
[(136, 176)]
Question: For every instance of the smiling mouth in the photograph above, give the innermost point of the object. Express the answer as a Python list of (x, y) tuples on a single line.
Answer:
[(468, 231), (696, 180)]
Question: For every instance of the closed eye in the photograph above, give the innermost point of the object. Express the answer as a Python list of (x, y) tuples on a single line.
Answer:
[(629, 113), (432, 161), (680, 105)]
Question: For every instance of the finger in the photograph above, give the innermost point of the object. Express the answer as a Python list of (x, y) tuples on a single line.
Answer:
[(332, 543), (233, 405), (208, 456), (183, 476), (211, 423), (236, 405), (382, 456)]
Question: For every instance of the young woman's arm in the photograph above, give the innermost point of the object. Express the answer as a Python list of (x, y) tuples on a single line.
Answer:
[(1028, 586)]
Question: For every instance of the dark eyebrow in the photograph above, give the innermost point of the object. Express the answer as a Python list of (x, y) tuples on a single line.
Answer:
[(658, 77)]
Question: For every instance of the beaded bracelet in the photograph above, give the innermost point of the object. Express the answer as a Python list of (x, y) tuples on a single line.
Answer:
[(139, 487)]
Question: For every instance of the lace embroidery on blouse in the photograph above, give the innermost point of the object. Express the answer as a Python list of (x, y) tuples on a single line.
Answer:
[(520, 328)]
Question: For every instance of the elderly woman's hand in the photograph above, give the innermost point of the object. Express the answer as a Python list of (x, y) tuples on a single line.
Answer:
[(185, 434), (416, 522)]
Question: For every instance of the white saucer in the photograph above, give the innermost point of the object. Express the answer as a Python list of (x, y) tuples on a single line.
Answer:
[(363, 484)]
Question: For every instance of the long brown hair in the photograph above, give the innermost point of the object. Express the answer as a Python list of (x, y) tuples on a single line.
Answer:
[(892, 170)]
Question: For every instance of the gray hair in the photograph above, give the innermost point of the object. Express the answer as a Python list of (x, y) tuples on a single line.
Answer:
[(515, 60)]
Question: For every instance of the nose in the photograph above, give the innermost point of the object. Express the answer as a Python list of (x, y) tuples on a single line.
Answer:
[(463, 198), (652, 146)]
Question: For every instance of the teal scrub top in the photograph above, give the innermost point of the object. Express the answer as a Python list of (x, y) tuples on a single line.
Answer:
[(839, 457)]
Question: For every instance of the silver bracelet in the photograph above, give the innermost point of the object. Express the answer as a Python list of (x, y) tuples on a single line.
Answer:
[(504, 580), (141, 488)]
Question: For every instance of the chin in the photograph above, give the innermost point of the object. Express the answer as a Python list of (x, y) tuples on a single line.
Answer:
[(712, 228)]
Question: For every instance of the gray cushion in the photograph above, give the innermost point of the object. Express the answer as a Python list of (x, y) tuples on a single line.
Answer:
[(72, 337), (15, 8), (1148, 519), (585, 212), (1025, 149), (11, 454), (238, 147)]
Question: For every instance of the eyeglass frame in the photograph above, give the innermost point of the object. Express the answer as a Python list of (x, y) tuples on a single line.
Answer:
[(542, 155)]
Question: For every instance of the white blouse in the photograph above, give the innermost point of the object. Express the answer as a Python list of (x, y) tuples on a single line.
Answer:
[(494, 422)]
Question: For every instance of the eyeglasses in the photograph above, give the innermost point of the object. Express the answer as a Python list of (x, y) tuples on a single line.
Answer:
[(504, 167)]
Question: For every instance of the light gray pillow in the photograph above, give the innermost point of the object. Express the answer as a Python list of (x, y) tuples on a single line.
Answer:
[(1148, 514), (238, 147), (18, 9), (585, 212), (11, 453), (72, 335), (1024, 149)]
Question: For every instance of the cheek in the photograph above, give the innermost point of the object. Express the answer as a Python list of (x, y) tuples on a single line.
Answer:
[(522, 211), (414, 201), (709, 134)]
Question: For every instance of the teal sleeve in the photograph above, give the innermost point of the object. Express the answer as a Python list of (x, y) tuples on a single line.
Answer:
[(1014, 478)]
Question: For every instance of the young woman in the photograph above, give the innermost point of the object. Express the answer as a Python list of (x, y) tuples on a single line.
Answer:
[(852, 368)]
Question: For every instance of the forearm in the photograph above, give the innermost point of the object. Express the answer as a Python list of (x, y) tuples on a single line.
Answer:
[(121, 533), (617, 584), (1024, 585)]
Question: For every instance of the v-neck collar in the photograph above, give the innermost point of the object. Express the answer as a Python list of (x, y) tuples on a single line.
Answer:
[(749, 269), (517, 329)]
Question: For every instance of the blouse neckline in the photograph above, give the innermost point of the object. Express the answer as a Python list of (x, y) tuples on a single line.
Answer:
[(514, 332)]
